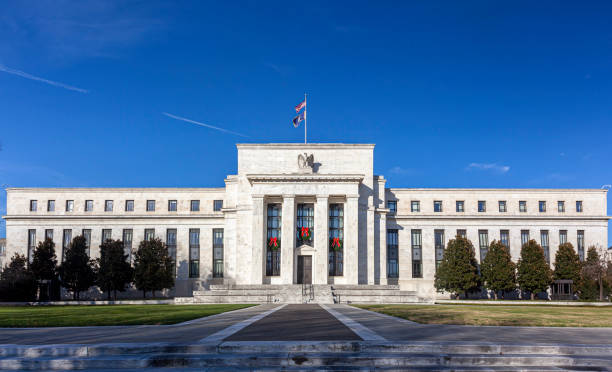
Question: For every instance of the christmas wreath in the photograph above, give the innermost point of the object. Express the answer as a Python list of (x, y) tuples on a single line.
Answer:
[(274, 243), (336, 244), (305, 233)]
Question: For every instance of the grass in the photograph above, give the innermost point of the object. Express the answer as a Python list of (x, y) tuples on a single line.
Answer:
[(107, 315), (500, 315)]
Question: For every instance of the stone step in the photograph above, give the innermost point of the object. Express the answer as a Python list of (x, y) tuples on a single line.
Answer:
[(372, 292), (365, 286)]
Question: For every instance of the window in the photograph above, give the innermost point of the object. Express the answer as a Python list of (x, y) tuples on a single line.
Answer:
[(87, 236), (562, 237), (580, 244), (392, 205), (66, 239), (417, 248), (561, 206), (150, 205), (544, 244), (336, 231), (460, 206), (149, 234), (437, 206), (88, 205), (127, 243), (415, 206), (504, 238), (194, 253), (106, 234), (33, 205), (171, 205), (50, 205), (273, 232), (195, 206), (49, 234), (31, 244), (439, 246), (69, 205), (524, 237), (304, 224), (129, 206), (217, 253), (108, 206), (171, 243), (542, 206), (502, 206), (483, 242), (482, 206), (578, 206), (392, 254), (217, 205), (522, 206), (462, 233)]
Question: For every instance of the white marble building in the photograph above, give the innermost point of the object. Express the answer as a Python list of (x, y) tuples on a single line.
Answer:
[(387, 235)]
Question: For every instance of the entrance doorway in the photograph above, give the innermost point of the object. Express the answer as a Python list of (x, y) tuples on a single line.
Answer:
[(304, 270)]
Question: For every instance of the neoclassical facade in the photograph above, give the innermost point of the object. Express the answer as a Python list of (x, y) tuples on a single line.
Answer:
[(306, 213)]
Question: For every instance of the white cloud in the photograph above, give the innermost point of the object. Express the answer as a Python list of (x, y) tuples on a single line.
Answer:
[(399, 170), (494, 167), (42, 80), (202, 124)]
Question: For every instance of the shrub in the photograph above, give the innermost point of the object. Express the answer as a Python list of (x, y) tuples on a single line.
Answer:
[(458, 271), (76, 272), (498, 270), (153, 267), (534, 274)]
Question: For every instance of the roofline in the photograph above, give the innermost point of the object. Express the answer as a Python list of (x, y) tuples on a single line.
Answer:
[(306, 145), (119, 189), (496, 189)]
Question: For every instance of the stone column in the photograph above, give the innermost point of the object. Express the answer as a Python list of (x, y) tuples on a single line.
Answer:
[(288, 239), (382, 249), (370, 244), (258, 260), (321, 238), (351, 239)]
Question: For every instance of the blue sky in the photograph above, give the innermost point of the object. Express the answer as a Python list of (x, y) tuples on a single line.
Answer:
[(454, 94)]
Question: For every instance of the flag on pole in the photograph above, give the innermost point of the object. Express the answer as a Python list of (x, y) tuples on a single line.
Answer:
[(300, 106), (298, 119)]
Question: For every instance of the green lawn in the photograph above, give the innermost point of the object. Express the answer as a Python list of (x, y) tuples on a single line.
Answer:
[(106, 315), (501, 315)]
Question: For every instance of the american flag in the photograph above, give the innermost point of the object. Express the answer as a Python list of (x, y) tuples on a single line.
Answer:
[(300, 106)]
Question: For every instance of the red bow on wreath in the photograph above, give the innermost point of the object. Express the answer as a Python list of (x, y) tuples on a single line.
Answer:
[(336, 243), (304, 232), (273, 242)]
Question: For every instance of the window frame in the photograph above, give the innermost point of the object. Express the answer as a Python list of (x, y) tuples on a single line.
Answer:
[(218, 263), (129, 202), (172, 203), (482, 206), (501, 203), (542, 206), (335, 230), (438, 203), (150, 202), (194, 246), (561, 206), (522, 206), (194, 205), (106, 205), (460, 203), (217, 205), (579, 206), (416, 250), (393, 250), (414, 203), (87, 205), (51, 205), (70, 205), (392, 206), (33, 205)]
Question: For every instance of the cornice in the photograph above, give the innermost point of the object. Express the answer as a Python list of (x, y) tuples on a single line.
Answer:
[(110, 217), (305, 178), (481, 217)]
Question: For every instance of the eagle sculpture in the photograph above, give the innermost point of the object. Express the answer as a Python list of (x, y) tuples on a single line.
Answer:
[(305, 161)]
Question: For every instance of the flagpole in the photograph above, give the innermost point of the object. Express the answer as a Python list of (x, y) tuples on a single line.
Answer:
[(305, 118)]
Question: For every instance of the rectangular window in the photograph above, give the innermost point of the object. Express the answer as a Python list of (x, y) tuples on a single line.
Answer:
[(217, 253), (31, 244), (483, 242), (439, 246), (108, 206), (417, 250), (217, 205), (149, 234), (127, 243), (392, 254), (106, 234), (304, 225), (69, 205), (502, 206), (542, 206), (172, 205), (171, 243), (50, 205), (462, 233), (392, 206), (336, 240), (66, 240), (88, 205), (150, 205), (504, 238), (87, 235), (437, 206), (273, 226), (194, 253), (580, 244), (561, 206), (129, 206), (195, 206), (482, 206), (49, 234), (522, 206), (524, 237), (578, 206), (460, 206), (544, 244), (415, 206), (33, 205), (562, 237)]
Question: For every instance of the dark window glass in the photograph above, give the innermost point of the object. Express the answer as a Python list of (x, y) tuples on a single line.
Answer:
[(482, 206), (49, 234), (87, 236), (150, 205), (88, 205), (437, 206), (392, 254), (171, 243), (127, 243), (217, 253), (108, 206), (336, 231), (483, 240), (194, 253), (66, 239), (392, 205), (149, 234), (439, 246), (502, 206), (273, 231), (33, 205), (524, 237), (561, 206), (578, 206), (562, 237), (172, 204), (129, 206), (31, 244), (522, 206), (51, 206), (542, 206), (462, 233), (415, 206), (195, 205), (545, 245), (417, 248), (217, 205), (580, 244), (504, 238), (304, 223), (69, 205), (106, 234), (460, 206)]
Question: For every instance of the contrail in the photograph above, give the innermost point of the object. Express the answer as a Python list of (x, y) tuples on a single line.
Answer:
[(36, 78), (202, 124)]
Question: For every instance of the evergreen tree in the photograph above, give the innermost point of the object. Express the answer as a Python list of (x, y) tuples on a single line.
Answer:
[(44, 265), (76, 272), (594, 270), (458, 271), (567, 265), (113, 272), (498, 270), (534, 274), (16, 281), (153, 267)]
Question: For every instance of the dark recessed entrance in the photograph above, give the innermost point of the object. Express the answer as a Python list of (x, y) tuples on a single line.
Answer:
[(304, 270)]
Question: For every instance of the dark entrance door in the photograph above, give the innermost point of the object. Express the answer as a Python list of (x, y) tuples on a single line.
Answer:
[(304, 270)]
